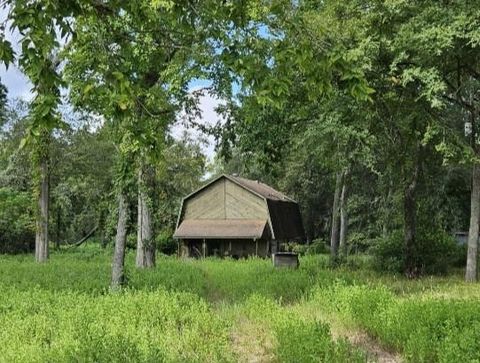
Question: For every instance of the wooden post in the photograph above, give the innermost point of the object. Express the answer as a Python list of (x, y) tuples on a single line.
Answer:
[(204, 248), (256, 247), (230, 248)]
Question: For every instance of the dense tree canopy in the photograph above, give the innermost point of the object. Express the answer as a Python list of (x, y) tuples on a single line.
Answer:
[(365, 112)]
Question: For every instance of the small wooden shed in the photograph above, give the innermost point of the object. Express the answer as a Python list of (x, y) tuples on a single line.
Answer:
[(237, 217)]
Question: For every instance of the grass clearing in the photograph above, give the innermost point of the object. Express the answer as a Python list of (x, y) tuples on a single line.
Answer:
[(230, 311)]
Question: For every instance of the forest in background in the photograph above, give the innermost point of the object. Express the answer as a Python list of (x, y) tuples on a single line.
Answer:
[(365, 112)]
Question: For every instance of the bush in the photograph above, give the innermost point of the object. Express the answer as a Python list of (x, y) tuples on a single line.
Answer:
[(17, 229), (435, 252), (316, 247), (388, 253), (165, 242), (459, 258)]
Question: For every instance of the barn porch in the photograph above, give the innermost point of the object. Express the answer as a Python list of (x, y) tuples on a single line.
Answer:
[(235, 248), (223, 238)]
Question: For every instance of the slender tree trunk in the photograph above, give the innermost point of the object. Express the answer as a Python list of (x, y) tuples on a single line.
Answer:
[(41, 236), (472, 254), (118, 274), (344, 217), (387, 211), (145, 244), (334, 236), (410, 220), (57, 237), (101, 227)]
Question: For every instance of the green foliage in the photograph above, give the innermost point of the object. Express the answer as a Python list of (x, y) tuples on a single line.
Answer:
[(424, 330), (315, 247), (298, 339), (435, 252), (192, 310), (16, 226), (130, 326), (166, 243)]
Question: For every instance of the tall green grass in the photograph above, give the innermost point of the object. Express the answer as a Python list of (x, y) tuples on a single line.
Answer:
[(193, 310), (423, 328), (299, 339), (44, 326)]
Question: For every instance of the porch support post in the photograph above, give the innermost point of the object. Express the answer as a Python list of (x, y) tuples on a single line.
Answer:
[(204, 248), (256, 247)]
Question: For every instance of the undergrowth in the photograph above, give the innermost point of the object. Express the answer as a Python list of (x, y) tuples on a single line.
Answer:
[(192, 311)]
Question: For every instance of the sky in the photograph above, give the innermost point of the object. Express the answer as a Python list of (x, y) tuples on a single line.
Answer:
[(18, 86)]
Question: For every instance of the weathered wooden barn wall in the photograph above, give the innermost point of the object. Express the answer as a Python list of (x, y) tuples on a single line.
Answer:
[(207, 204), (225, 200), (242, 204)]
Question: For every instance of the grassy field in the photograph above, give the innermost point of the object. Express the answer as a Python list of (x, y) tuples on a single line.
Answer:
[(227, 311)]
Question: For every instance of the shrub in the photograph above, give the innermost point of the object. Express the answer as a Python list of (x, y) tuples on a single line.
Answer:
[(16, 222), (459, 258), (131, 241), (165, 242), (316, 247), (434, 252)]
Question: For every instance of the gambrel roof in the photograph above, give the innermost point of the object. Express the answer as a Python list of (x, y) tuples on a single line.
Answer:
[(280, 220)]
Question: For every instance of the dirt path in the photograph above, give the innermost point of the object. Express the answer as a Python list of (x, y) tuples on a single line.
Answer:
[(375, 352), (356, 337), (252, 342)]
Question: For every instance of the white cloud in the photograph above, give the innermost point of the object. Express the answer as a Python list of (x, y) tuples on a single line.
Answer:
[(18, 86), (209, 117)]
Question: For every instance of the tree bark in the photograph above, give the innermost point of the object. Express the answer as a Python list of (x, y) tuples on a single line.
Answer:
[(145, 245), (334, 236), (344, 217), (118, 274), (59, 225), (472, 254), (387, 211), (410, 222), (41, 235)]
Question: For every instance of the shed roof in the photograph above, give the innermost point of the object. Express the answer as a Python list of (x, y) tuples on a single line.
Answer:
[(221, 228)]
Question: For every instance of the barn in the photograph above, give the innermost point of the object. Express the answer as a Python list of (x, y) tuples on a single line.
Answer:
[(236, 217)]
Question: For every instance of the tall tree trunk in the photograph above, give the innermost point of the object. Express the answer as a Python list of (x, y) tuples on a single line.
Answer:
[(41, 235), (410, 220), (334, 236), (344, 216), (472, 254), (145, 244), (57, 237), (118, 274), (387, 211)]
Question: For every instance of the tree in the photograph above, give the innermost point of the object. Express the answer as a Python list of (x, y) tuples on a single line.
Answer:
[(157, 48), (437, 52), (37, 24)]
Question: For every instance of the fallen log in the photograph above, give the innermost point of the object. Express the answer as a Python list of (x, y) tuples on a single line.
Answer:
[(84, 239)]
